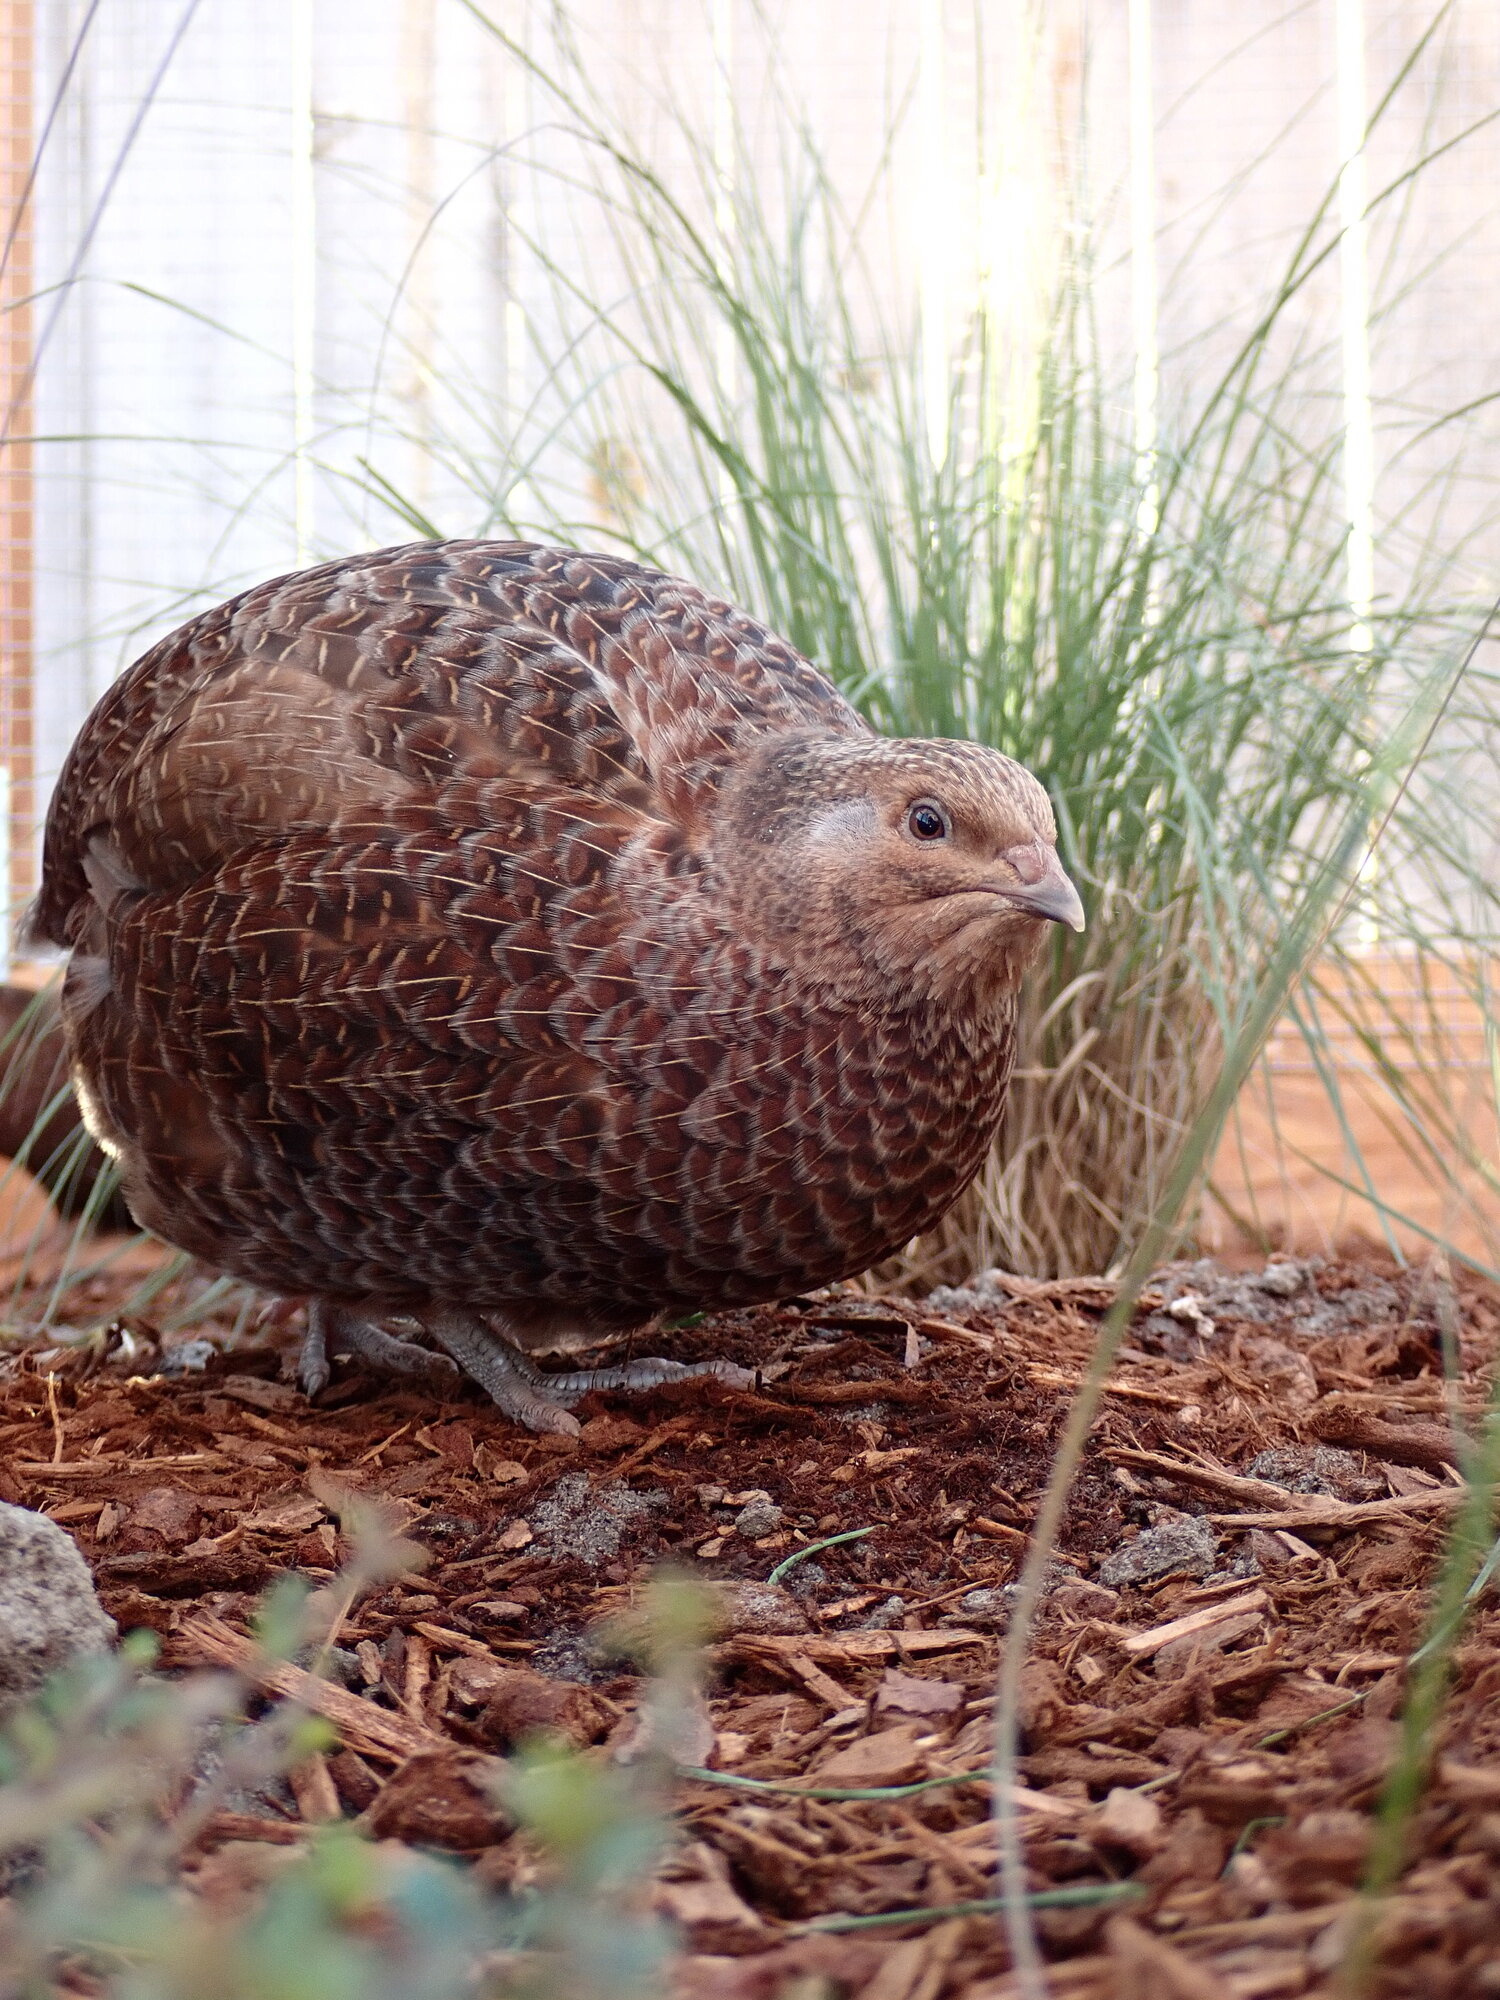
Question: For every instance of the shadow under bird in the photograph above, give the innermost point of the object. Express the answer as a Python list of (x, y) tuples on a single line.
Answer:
[(502, 948)]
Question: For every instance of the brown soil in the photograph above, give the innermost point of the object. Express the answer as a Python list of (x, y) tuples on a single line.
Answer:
[(1229, 1768)]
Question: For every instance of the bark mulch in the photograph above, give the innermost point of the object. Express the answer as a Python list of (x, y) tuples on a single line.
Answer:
[(1210, 1710)]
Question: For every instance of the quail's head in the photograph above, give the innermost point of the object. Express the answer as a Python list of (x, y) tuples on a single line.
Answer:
[(928, 862)]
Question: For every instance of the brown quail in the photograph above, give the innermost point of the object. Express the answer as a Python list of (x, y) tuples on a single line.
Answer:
[(512, 946)]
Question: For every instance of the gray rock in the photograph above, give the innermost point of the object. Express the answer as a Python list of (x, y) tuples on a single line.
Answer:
[(577, 1519), (990, 1609), (759, 1607), (761, 1517), (1319, 1468), (1284, 1295), (881, 1617), (1283, 1278), (1079, 1598), (571, 1655), (49, 1613), (1188, 1546), (807, 1579), (984, 1607), (954, 1301), (189, 1357), (335, 1663)]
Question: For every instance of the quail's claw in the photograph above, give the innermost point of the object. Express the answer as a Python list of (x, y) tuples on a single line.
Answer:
[(397, 1357), (504, 1373), (333, 1330), (313, 1365)]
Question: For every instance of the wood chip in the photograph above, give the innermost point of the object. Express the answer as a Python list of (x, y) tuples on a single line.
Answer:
[(416, 1675), (1054, 1378), (314, 1790), (1215, 1477), (694, 1892), (951, 1330), (115, 1461), (835, 1646), (1140, 1645), (1474, 1786), (375, 1732), (889, 1758), (1101, 1292), (1042, 1806), (263, 1395), (1408, 1479), (1431, 1445), (823, 1686), (1314, 1511), (918, 1968), (996, 1531), (222, 1827), (1223, 1632), (1150, 1964), (292, 1514), (448, 1641), (909, 1694), (1129, 1819)]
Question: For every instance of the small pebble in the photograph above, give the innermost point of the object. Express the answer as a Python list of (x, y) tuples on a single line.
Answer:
[(883, 1616), (498, 1611), (334, 1663), (49, 1613), (761, 1517), (191, 1357), (807, 1579), (759, 1607), (1283, 1281), (985, 1608), (1318, 1468), (1189, 1545)]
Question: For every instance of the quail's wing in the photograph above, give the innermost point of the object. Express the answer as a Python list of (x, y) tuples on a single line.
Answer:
[(414, 686), (691, 679), (365, 691)]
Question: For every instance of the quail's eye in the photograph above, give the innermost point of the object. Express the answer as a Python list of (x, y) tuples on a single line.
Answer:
[(928, 821)]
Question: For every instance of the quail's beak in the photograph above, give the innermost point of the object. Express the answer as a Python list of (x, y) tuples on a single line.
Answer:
[(1043, 890)]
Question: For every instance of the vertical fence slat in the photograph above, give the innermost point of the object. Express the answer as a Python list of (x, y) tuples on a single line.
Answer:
[(16, 524)]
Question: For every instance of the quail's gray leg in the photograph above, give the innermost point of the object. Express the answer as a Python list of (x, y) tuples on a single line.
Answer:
[(314, 1363), (335, 1330), (538, 1400)]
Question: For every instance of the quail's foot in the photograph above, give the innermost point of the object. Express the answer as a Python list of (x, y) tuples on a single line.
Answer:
[(522, 1390), (539, 1400), (335, 1330)]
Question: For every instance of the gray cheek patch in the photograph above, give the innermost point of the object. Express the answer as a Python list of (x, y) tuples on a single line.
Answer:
[(842, 824)]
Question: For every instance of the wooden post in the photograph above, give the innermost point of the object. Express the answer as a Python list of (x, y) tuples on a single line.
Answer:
[(16, 522)]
